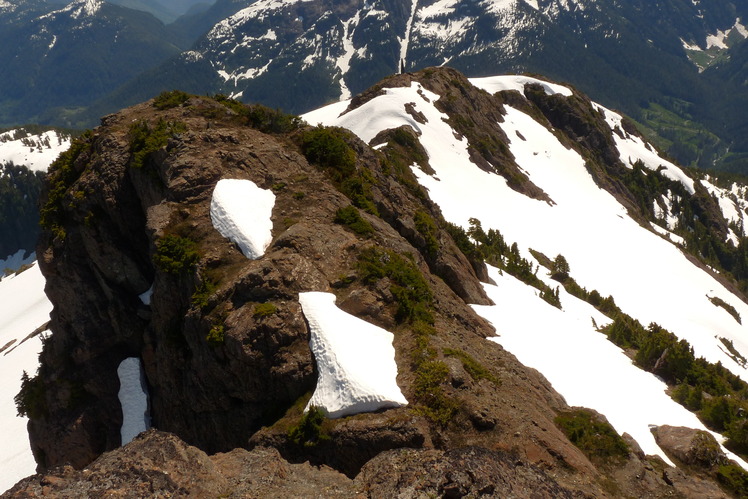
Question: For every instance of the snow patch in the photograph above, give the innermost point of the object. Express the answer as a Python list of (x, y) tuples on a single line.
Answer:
[(133, 397), (36, 152), (493, 84), (632, 149), (241, 212), (355, 359), (23, 308), (145, 297)]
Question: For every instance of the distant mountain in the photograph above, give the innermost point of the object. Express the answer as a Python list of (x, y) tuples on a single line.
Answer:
[(166, 11), (645, 58), (61, 61)]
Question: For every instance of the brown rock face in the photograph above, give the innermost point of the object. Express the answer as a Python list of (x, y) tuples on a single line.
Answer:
[(158, 464), (223, 340), (694, 447), (217, 369)]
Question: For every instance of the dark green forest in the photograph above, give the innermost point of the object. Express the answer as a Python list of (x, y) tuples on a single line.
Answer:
[(19, 213)]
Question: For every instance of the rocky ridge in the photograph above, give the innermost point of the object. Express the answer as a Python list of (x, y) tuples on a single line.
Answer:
[(145, 177)]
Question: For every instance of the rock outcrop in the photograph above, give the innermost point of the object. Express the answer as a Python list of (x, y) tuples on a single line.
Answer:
[(223, 340)]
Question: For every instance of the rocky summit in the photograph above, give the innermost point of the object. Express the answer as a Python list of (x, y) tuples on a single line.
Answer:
[(135, 268)]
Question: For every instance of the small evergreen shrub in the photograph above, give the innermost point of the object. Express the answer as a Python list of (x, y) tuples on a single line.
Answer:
[(30, 401), (264, 310), (734, 353), (433, 403), (203, 292), (733, 478), (145, 140), (216, 335), (327, 148), (719, 302), (407, 285), (175, 254), (559, 270), (426, 226), (351, 218), (309, 431), (597, 439), (171, 99), (269, 120)]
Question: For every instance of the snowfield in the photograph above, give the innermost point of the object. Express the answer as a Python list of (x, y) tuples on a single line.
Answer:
[(24, 308), (133, 397), (355, 359), (648, 276), (632, 399), (36, 152), (241, 211)]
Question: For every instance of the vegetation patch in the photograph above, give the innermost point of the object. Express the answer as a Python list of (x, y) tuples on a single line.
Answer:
[(433, 403), (171, 99), (309, 432), (733, 478), (328, 149), (202, 294), (62, 174), (476, 370), (719, 302), (146, 139), (351, 218), (426, 226), (31, 400), (597, 439), (216, 335), (264, 310), (491, 247), (261, 117), (734, 354), (175, 254), (407, 285)]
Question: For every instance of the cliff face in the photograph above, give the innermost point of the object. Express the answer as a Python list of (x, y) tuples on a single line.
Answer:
[(223, 340)]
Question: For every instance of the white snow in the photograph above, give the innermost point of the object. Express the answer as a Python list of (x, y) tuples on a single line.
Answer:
[(633, 149), (731, 203), (493, 84), (343, 63), (241, 211), (664, 232), (36, 152), (23, 308), (405, 40), (647, 275), (598, 375), (133, 398), (355, 360)]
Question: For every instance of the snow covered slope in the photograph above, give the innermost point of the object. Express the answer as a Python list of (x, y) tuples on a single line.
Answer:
[(648, 275), (23, 308), (33, 150)]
